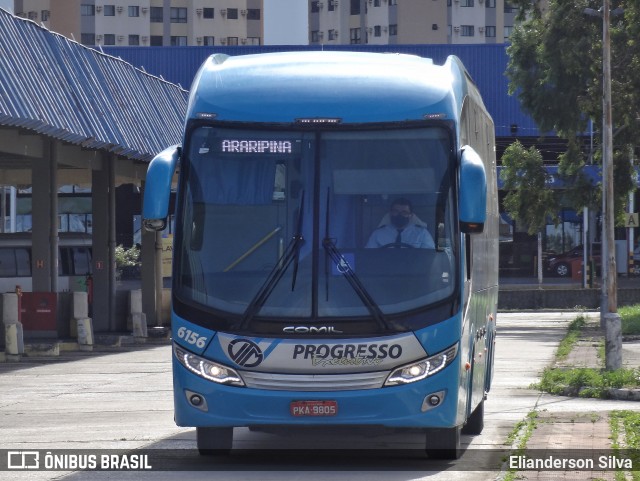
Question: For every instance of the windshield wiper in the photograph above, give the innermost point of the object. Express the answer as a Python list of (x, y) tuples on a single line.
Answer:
[(291, 254), (345, 269)]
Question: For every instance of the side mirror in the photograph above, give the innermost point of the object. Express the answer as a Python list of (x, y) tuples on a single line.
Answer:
[(157, 188), (472, 198)]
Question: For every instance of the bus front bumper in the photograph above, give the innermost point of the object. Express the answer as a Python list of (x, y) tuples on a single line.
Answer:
[(406, 406)]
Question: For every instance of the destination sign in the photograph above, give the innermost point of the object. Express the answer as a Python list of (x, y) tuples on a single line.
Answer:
[(262, 146)]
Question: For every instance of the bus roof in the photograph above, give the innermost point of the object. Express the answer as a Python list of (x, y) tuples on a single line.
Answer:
[(355, 87)]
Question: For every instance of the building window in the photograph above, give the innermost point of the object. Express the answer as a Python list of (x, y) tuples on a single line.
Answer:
[(109, 39), (315, 6), (33, 15), (134, 11), (253, 14), (508, 30), (315, 36), (232, 40), (377, 31), (156, 41), (490, 4), (333, 34), (44, 15), (178, 15), (87, 10), (178, 41), (109, 11), (393, 29), (466, 30), (209, 41), (355, 36), (376, 3), (232, 13), (490, 31), (466, 3), (88, 38), (134, 39), (509, 8), (355, 7), (156, 15), (332, 5), (207, 13), (253, 40), (393, 2)]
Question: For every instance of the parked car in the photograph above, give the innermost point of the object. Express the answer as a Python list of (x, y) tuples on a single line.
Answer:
[(560, 264)]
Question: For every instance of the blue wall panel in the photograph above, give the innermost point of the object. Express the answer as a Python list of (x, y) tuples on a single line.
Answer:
[(485, 63)]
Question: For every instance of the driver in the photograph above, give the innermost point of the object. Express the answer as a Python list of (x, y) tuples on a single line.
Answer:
[(401, 230)]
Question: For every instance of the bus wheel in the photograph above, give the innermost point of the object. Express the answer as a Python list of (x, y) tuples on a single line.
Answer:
[(443, 443), (214, 441), (475, 422)]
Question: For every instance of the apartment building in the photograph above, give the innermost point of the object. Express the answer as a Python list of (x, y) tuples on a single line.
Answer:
[(410, 21), (242, 22), (150, 23)]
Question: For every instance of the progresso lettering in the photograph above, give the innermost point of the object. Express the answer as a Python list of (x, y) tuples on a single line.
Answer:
[(257, 146), (346, 354)]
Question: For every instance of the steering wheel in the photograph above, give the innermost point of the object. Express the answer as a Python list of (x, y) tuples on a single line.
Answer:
[(397, 245)]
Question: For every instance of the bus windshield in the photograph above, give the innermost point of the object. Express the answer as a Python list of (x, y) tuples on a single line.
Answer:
[(311, 225)]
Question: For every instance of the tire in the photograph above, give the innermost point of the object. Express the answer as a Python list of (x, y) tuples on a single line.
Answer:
[(443, 443), (214, 441), (475, 422), (563, 270)]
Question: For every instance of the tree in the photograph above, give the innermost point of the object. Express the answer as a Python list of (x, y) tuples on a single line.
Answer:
[(555, 69), (528, 200)]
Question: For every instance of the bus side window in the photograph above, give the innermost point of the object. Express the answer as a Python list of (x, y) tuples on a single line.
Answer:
[(63, 262), (81, 261), (7, 262), (23, 262)]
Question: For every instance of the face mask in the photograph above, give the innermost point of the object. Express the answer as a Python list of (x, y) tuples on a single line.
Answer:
[(399, 221)]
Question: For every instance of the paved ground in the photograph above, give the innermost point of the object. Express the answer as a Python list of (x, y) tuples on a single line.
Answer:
[(122, 399), (586, 430)]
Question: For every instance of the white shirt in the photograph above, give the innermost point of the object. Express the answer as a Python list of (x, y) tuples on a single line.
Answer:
[(413, 234)]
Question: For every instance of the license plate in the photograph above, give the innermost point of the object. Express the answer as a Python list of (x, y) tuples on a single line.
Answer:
[(314, 408)]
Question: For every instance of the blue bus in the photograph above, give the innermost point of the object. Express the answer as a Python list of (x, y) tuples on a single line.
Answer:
[(336, 247)]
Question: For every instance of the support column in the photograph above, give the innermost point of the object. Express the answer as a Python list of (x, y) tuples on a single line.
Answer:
[(44, 215), (103, 243), (150, 302)]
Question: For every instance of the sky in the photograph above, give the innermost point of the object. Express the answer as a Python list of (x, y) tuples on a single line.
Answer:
[(7, 5)]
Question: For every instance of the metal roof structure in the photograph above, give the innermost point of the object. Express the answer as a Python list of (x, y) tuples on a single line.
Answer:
[(61, 89)]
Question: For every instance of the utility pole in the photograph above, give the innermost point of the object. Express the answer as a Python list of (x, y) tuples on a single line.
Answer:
[(611, 318)]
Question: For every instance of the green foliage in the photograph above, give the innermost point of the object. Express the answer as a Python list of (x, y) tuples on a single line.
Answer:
[(630, 317), (570, 339), (555, 69), (127, 257), (524, 176), (587, 382), (626, 425)]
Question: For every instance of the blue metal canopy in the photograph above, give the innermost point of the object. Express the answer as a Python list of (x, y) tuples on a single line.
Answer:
[(59, 88)]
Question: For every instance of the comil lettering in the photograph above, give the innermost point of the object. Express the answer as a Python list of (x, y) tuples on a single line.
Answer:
[(257, 146)]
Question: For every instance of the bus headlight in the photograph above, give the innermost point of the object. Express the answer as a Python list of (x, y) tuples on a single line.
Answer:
[(206, 369), (422, 369)]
